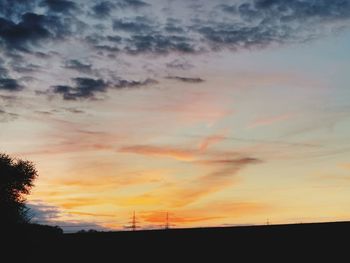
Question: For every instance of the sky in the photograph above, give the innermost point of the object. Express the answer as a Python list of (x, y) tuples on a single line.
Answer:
[(216, 112)]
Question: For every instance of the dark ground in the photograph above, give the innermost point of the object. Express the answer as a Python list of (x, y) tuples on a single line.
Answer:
[(321, 242)]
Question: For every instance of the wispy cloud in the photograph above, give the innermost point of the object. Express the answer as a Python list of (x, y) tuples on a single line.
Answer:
[(180, 194), (186, 79), (176, 153), (89, 88), (7, 116), (270, 120)]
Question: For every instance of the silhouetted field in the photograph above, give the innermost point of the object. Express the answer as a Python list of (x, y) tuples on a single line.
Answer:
[(280, 243)]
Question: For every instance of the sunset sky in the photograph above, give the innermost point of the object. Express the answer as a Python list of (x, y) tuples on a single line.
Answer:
[(218, 112)]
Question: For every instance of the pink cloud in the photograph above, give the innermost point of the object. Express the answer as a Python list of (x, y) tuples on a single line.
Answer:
[(270, 120)]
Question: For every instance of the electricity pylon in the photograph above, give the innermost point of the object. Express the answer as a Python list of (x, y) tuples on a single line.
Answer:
[(133, 223), (167, 224)]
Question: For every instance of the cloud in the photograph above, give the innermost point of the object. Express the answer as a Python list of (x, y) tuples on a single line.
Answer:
[(41, 31), (235, 162), (139, 24), (204, 213), (121, 83), (31, 30), (44, 213), (210, 140), (186, 79), (296, 10), (159, 44), (180, 218), (270, 120), (103, 9), (15, 8), (180, 194), (173, 26), (25, 68), (88, 88), (247, 24), (176, 153), (265, 22), (219, 179), (131, 3), (85, 88), (78, 66), (8, 98), (219, 172), (9, 84), (59, 6), (179, 64), (7, 116)]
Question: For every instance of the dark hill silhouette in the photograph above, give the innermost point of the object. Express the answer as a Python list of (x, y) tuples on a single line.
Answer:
[(277, 243)]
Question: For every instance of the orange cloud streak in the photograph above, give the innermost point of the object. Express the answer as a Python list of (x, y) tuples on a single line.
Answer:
[(176, 153), (204, 213), (210, 141)]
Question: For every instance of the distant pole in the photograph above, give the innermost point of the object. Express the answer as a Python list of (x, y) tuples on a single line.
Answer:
[(267, 222)]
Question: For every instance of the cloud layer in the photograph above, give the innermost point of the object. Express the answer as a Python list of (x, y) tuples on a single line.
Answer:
[(51, 29)]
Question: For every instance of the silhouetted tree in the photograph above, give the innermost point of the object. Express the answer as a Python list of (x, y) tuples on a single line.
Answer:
[(16, 180)]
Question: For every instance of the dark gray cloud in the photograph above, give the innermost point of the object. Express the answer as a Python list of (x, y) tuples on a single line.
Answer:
[(272, 21), (103, 9), (6, 82), (186, 79), (88, 88), (9, 84), (249, 23), (120, 84), (159, 44), (15, 8), (59, 6), (85, 88), (117, 39), (174, 26), (137, 25), (3, 72), (78, 66), (31, 30), (111, 49), (51, 215), (131, 4), (287, 11), (43, 213)]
